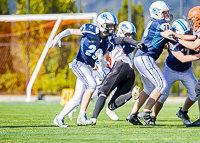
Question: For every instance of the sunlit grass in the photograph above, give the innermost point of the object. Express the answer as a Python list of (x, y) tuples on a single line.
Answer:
[(33, 122)]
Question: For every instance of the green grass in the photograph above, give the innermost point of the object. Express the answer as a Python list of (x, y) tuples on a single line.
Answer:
[(33, 122)]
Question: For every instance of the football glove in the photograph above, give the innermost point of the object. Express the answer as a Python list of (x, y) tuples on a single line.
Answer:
[(55, 41), (197, 36), (174, 37), (140, 46)]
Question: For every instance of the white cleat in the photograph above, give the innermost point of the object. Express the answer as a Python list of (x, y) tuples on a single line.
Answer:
[(94, 121), (136, 92), (111, 114), (59, 122), (83, 121)]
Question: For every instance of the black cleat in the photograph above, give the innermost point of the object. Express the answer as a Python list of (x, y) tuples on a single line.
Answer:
[(153, 121), (145, 116), (194, 124), (132, 118), (184, 116)]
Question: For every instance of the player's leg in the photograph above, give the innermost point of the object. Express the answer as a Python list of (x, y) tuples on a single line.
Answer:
[(171, 77), (112, 80), (84, 73), (111, 113), (71, 104), (189, 81), (197, 91), (144, 94), (155, 75), (123, 94)]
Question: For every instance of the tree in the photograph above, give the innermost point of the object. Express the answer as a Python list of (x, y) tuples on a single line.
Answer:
[(55, 73)]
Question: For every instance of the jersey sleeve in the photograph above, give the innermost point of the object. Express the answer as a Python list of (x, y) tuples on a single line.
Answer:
[(88, 28)]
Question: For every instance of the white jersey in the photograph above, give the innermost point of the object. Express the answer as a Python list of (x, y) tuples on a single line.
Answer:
[(119, 53)]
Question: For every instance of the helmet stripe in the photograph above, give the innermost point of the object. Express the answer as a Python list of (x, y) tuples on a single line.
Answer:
[(115, 19), (134, 31), (167, 5), (183, 26)]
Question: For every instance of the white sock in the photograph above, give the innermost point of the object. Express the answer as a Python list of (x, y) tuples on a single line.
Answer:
[(82, 113), (69, 106)]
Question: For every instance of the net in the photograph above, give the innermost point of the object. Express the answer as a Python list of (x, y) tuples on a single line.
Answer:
[(22, 41)]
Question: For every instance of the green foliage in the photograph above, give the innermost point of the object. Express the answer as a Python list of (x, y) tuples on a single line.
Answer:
[(47, 6), (11, 81), (136, 16), (3, 7), (55, 73)]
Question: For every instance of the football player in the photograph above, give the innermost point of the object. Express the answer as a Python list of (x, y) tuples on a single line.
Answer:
[(94, 39), (178, 67), (194, 19), (154, 38), (121, 76)]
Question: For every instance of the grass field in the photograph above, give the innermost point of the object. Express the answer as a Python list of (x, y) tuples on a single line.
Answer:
[(33, 122)]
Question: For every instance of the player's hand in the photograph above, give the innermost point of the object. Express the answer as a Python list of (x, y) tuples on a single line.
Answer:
[(95, 67), (140, 46), (55, 41), (174, 37)]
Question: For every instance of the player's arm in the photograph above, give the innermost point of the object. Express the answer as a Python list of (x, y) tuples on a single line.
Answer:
[(124, 40), (194, 45), (166, 34), (65, 33), (185, 58)]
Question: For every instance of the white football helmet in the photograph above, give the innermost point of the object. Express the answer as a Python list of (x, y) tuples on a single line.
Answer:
[(104, 20), (181, 26), (157, 8), (124, 28)]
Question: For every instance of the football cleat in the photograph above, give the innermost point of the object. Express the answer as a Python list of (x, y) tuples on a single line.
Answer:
[(94, 121), (145, 116), (194, 124), (83, 121), (111, 114), (136, 92), (184, 116), (153, 121), (59, 122), (132, 118)]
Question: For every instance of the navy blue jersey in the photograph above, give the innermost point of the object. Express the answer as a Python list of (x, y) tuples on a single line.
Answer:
[(91, 43), (172, 62), (152, 40), (128, 48)]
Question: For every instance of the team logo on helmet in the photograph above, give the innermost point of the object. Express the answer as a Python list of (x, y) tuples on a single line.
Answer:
[(156, 10), (124, 26), (104, 16)]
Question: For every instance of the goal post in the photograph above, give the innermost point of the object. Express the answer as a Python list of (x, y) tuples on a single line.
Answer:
[(55, 17)]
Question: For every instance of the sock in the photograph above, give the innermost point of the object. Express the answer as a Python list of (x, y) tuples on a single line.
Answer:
[(82, 113), (119, 101), (99, 105), (69, 106)]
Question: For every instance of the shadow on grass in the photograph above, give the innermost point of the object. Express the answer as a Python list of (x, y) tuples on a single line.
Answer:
[(27, 126)]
